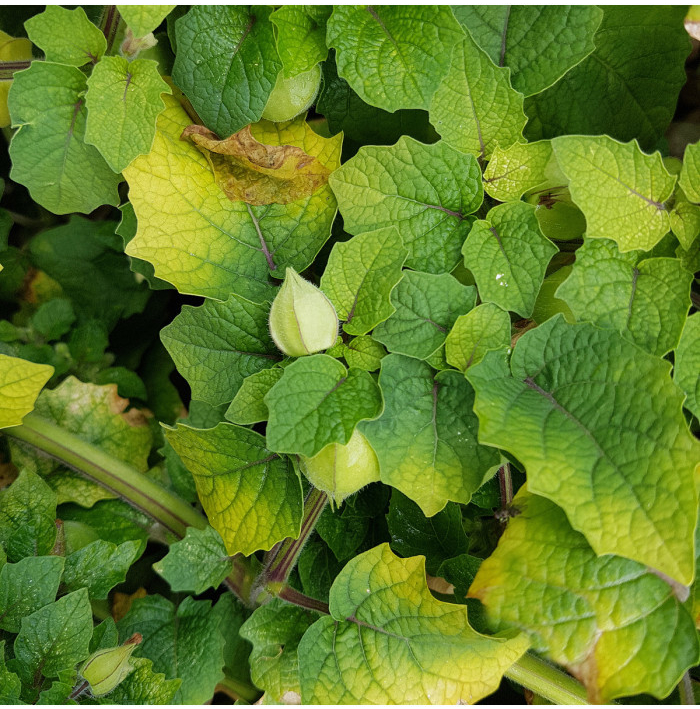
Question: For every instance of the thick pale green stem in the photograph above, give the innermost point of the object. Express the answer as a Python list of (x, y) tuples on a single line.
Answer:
[(141, 492), (547, 681), (239, 690)]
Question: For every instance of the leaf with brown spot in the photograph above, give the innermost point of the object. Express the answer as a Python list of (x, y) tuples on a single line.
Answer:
[(250, 171)]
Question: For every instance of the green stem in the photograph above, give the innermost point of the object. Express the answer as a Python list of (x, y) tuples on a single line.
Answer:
[(240, 690), (141, 492), (547, 681), (281, 558), (109, 24)]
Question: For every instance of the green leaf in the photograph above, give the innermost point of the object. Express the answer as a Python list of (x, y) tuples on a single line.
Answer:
[(381, 608), (684, 220), (10, 684), (345, 111), (54, 638), (185, 642), (275, 630), (393, 56), (143, 686), (485, 328), (97, 415), (516, 170), (610, 621), (27, 517), (686, 371), (195, 563), (49, 157), (123, 102), (437, 538), (597, 423), (426, 191), (232, 614), (54, 318), (142, 19), (317, 566), (87, 259), (205, 244), (364, 352), (508, 256), (226, 64), (66, 36), (427, 307), (460, 571), (26, 586), (360, 275), (251, 495), (100, 566), (689, 179), (425, 439), (647, 300), (217, 345), (248, 406), (476, 109), (539, 43), (20, 384), (318, 402), (129, 384), (301, 41), (627, 88), (620, 190), (112, 520)]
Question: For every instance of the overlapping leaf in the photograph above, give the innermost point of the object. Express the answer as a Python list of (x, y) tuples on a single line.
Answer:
[(381, 608), (143, 686), (251, 495), (647, 300), (627, 88), (393, 56), (142, 19), (476, 109), (183, 642), (20, 384), (427, 307), (360, 275), (426, 191), (301, 37), (248, 406), (539, 43), (123, 102), (603, 437), (318, 402), (508, 256), (515, 170), (686, 371), (49, 155), (610, 621), (425, 439), (690, 172), (216, 345), (205, 244), (485, 328), (625, 199)]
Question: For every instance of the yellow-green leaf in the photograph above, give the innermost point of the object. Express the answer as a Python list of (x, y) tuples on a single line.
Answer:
[(20, 384), (388, 641), (142, 19)]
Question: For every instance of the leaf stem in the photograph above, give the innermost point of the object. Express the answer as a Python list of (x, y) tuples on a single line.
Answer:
[(237, 689), (141, 492), (291, 595), (109, 24), (280, 560), (685, 689), (547, 681)]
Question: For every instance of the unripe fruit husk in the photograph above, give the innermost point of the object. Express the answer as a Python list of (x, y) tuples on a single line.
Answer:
[(341, 470), (292, 96), (105, 669), (302, 319)]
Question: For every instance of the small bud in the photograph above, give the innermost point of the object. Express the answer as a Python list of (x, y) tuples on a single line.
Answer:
[(340, 470), (105, 669), (302, 319)]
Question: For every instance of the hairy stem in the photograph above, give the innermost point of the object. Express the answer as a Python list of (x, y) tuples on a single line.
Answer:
[(141, 492), (291, 595), (547, 681), (282, 557), (685, 689)]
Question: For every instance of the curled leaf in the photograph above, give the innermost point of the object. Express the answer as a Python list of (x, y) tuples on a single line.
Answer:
[(250, 171)]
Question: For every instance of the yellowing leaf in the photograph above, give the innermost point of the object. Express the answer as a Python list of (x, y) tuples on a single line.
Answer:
[(612, 622), (20, 384), (250, 171), (12, 49), (388, 641), (200, 241), (142, 19)]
